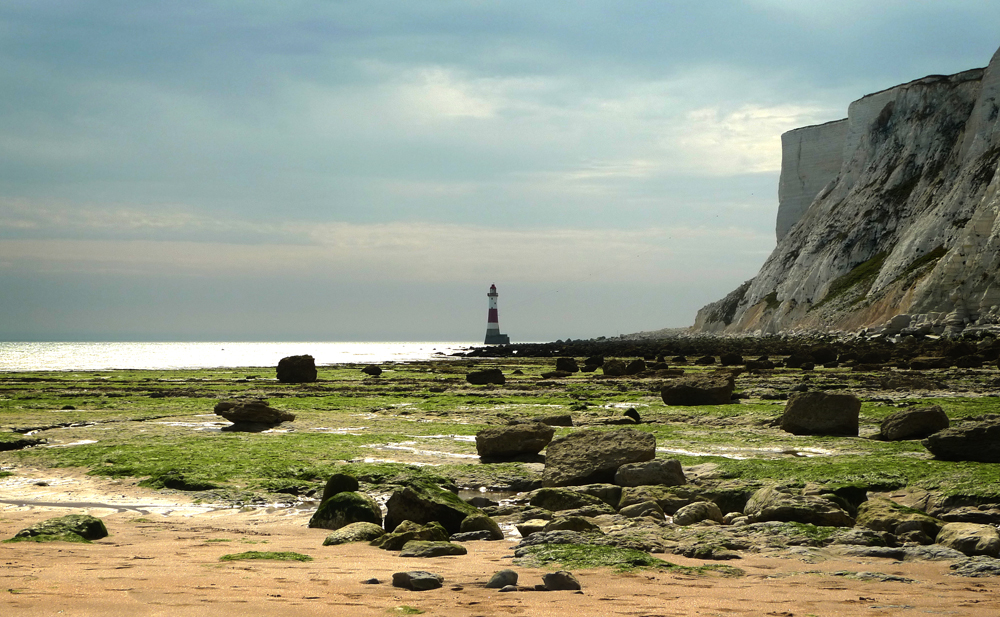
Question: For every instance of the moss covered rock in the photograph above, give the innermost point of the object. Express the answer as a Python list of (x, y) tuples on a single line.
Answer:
[(345, 508), (71, 528)]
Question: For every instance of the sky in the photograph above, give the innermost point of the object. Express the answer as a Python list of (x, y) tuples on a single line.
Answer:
[(350, 171)]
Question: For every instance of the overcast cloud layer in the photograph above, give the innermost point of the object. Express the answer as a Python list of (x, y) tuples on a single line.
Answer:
[(365, 170)]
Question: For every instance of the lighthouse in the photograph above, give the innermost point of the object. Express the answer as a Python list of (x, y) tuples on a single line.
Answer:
[(493, 336)]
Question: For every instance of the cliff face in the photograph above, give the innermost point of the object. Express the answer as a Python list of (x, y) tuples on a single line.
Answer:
[(891, 211)]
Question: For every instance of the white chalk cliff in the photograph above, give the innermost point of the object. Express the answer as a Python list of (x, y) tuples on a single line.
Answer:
[(890, 215)]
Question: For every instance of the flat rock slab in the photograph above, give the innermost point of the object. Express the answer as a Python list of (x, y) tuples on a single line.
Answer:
[(978, 442), (419, 548), (499, 443), (417, 580), (588, 456)]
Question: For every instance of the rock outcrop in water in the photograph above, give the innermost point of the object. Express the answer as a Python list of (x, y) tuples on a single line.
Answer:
[(888, 217)]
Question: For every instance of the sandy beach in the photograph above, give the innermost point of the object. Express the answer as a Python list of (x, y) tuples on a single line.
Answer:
[(162, 558)]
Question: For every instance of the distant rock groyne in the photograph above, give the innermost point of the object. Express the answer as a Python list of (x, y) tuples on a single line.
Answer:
[(886, 218)]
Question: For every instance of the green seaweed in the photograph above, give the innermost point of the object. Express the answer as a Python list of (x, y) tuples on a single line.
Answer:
[(269, 555)]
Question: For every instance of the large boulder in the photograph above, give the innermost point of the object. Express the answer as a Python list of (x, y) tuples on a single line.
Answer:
[(669, 498), (251, 414), (297, 369), (417, 580), (423, 502), (339, 483), (345, 508), (407, 531), (978, 442), (666, 472), (613, 368), (697, 512), (559, 499), (486, 376), (819, 413), (916, 423), (970, 538), (588, 456), (355, 532), (880, 514), (70, 528), (713, 389), (567, 365), (502, 443), (773, 503), (481, 522)]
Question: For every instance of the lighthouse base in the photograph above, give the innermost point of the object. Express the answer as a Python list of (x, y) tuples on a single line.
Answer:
[(497, 339)]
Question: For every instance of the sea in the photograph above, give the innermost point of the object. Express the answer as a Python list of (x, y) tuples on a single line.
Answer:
[(200, 355)]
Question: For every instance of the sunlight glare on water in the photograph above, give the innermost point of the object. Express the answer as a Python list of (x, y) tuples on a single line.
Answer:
[(165, 356)]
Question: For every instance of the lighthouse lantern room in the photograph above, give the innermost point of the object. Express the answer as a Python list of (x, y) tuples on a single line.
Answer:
[(493, 336)]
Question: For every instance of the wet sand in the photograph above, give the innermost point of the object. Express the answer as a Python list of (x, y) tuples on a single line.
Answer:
[(162, 558)]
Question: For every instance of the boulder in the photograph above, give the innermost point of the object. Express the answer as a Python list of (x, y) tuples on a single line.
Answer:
[(423, 548), (251, 414), (502, 579), (705, 360), (978, 442), (773, 503), (487, 376), (635, 367), (559, 499), (666, 472), (714, 389), (297, 369), (571, 523), (588, 456), (567, 365), (372, 369), (647, 508), (880, 514), (670, 499), (530, 526), (697, 512), (819, 413), (613, 368), (417, 580), (560, 581), (556, 374), (407, 531), (557, 419), (916, 423), (503, 443), (730, 359), (345, 508), (423, 502), (481, 522), (70, 528), (970, 538), (339, 483), (355, 532)]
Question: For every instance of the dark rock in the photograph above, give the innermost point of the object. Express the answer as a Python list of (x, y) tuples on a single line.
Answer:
[(555, 374), (561, 581), (371, 581), (70, 528), (588, 456), (978, 442), (345, 508), (819, 413), (355, 532), (666, 472), (646, 508), (424, 502), (916, 423), (252, 413), (797, 360), (635, 367), (339, 483), (502, 579), (501, 443), (730, 359), (422, 548), (372, 369), (976, 567), (297, 369), (487, 376), (926, 362), (567, 365), (417, 580), (670, 499), (759, 365), (561, 419), (705, 360), (613, 368), (633, 414), (716, 389)]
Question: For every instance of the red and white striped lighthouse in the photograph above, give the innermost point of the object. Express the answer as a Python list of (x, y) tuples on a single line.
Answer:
[(493, 336)]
